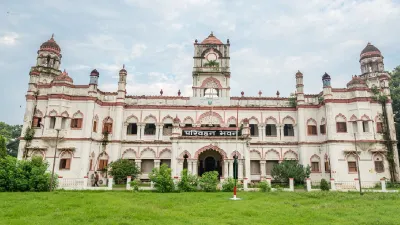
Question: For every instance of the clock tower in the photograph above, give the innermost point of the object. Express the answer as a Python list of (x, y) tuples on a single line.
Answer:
[(211, 72)]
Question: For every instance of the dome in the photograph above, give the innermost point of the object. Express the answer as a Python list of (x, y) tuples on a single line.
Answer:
[(211, 40), (123, 70), (94, 73), (326, 77), (356, 81), (51, 45), (63, 77), (370, 51)]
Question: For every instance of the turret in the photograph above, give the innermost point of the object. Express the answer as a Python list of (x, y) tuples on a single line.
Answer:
[(49, 54), (299, 87), (326, 83), (94, 81), (122, 84)]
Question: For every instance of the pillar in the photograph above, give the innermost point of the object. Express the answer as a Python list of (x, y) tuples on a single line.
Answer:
[(308, 184), (110, 183), (141, 128), (139, 164), (231, 168), (156, 163), (157, 132), (85, 182), (226, 163), (333, 185), (260, 132), (180, 168), (240, 169), (195, 168), (383, 185), (291, 184), (357, 185), (263, 169), (359, 127), (128, 182)]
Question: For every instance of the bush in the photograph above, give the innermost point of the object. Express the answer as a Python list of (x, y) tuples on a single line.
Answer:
[(324, 185), (122, 168), (161, 177), (135, 185), (188, 182), (25, 175), (264, 186), (290, 169), (3, 148), (208, 181), (229, 184)]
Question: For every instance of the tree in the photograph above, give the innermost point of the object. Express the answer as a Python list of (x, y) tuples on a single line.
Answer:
[(395, 95), (208, 181), (188, 182), (161, 177), (11, 133), (122, 168), (290, 169), (3, 149)]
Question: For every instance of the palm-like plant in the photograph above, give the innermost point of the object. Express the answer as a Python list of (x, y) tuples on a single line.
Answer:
[(212, 63)]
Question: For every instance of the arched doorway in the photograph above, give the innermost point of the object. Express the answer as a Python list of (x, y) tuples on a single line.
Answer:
[(210, 160)]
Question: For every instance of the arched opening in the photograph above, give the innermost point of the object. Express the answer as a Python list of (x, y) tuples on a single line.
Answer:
[(210, 160), (185, 161), (211, 93)]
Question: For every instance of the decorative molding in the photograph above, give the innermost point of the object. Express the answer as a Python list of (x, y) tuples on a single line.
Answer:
[(208, 80), (291, 151), (53, 111), (311, 120), (150, 116), (130, 150), (272, 150), (237, 154), (210, 147), (340, 115), (271, 118), (132, 117), (289, 118), (214, 114)]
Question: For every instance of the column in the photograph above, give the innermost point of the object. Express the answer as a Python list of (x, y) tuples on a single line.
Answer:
[(195, 168), (261, 134), (370, 126), (231, 168), (360, 127), (356, 184), (139, 164), (263, 169), (180, 168), (141, 127), (190, 169), (383, 184), (156, 163), (226, 163), (240, 169), (308, 184), (160, 131), (333, 185), (157, 132), (247, 168), (110, 183), (291, 184), (128, 183)]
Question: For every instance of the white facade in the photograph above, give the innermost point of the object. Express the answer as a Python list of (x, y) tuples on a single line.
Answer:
[(149, 129)]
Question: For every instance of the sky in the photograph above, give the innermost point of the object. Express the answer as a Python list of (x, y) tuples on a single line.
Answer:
[(270, 41)]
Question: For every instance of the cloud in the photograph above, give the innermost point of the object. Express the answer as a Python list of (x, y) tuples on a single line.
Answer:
[(9, 39), (137, 50)]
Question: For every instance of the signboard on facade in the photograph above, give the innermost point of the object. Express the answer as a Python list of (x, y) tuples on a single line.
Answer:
[(227, 133)]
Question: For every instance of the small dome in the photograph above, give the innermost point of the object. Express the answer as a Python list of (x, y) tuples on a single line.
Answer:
[(356, 81), (51, 45), (370, 51), (176, 119), (212, 40), (63, 77), (123, 70), (326, 77), (94, 73), (299, 74)]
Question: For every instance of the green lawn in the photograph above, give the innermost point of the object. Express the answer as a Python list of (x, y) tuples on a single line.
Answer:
[(121, 207)]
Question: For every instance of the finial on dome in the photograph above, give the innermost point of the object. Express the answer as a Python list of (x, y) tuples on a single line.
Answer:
[(277, 94), (161, 92), (212, 34), (242, 93), (52, 35), (227, 41), (259, 93), (65, 71), (179, 92), (123, 66)]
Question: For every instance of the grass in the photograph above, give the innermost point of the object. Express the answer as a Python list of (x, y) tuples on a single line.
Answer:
[(122, 207)]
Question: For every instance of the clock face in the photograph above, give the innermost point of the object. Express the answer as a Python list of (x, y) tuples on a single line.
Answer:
[(211, 57)]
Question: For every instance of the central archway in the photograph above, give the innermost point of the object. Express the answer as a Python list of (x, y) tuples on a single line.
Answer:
[(210, 160)]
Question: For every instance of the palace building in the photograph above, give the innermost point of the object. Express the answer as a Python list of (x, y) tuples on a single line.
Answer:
[(331, 131)]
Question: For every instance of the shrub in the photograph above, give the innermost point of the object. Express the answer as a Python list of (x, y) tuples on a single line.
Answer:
[(208, 181), (135, 185), (324, 185), (161, 177), (264, 186), (188, 182), (25, 175), (122, 168), (229, 184), (3, 149), (290, 169)]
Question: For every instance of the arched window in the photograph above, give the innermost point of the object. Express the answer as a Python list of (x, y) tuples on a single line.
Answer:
[(270, 127), (132, 127), (77, 119), (211, 93), (322, 127), (315, 164), (341, 125), (379, 125), (352, 163), (253, 124), (288, 128), (65, 160), (37, 119), (379, 163), (312, 127), (107, 125), (52, 115), (103, 161)]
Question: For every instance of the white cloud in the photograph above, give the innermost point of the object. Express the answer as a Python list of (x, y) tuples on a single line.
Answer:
[(137, 50), (9, 39)]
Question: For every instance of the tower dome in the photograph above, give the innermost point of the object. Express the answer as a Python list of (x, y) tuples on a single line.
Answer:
[(51, 46), (211, 40), (370, 51)]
